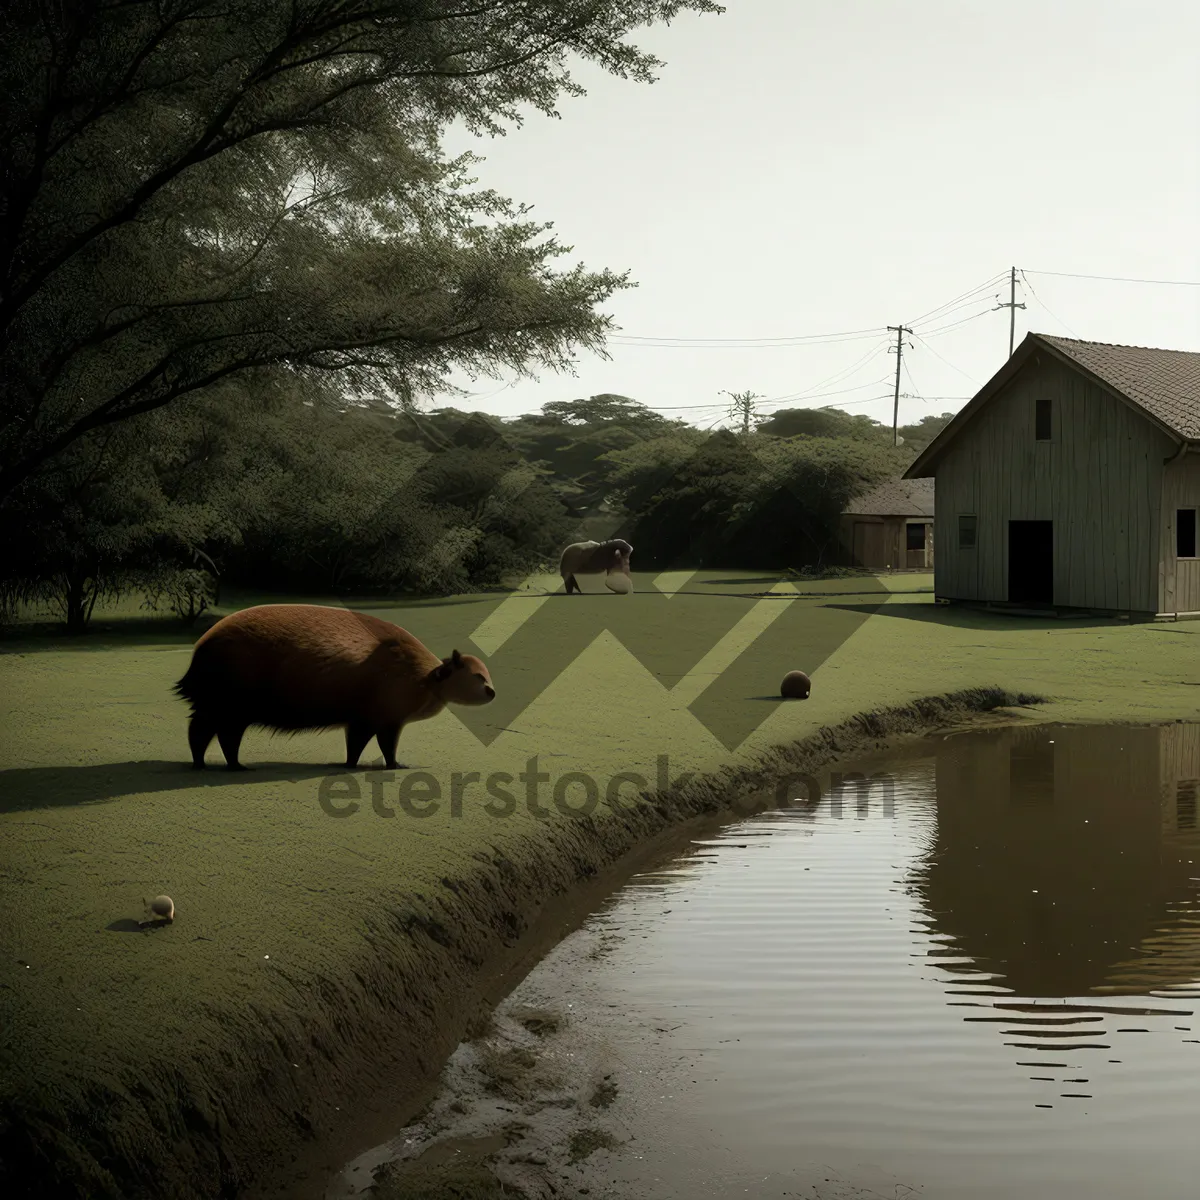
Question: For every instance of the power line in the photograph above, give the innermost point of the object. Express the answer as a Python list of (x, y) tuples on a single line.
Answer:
[(1117, 278), (1042, 302), (959, 301), (809, 339), (821, 395), (990, 282), (945, 360), (896, 416), (864, 400), (836, 377), (954, 311), (948, 308), (941, 311), (955, 324)]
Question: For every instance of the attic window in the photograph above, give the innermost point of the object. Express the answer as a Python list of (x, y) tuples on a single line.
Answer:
[(1041, 420)]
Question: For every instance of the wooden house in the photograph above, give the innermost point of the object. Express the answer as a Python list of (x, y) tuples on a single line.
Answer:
[(890, 528), (1072, 481)]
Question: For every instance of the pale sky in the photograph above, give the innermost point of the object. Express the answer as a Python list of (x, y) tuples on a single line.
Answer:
[(803, 169)]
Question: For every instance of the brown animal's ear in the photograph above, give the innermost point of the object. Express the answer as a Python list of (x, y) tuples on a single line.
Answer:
[(456, 658), (441, 672)]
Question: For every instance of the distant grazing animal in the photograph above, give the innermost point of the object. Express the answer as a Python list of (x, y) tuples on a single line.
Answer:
[(795, 686), (593, 558), (295, 667)]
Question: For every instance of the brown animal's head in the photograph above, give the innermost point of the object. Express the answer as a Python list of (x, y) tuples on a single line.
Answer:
[(463, 679)]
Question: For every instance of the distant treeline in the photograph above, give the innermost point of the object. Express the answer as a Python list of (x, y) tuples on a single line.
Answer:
[(280, 490), (223, 236)]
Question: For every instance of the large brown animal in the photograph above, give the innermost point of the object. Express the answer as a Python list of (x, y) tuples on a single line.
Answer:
[(295, 667), (593, 558)]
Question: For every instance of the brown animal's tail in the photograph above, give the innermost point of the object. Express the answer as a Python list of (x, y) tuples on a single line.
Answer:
[(186, 688)]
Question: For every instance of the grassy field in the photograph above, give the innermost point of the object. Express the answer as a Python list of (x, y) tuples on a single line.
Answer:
[(320, 956)]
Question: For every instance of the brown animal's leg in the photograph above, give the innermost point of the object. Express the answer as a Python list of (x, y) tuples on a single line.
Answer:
[(357, 737), (388, 740), (572, 582), (201, 732), (230, 739)]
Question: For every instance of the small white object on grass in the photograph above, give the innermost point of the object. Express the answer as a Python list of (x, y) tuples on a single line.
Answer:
[(161, 908)]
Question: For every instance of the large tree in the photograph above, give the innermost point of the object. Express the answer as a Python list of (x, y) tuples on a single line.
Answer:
[(193, 189)]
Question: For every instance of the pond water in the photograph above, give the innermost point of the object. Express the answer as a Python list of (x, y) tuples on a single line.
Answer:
[(979, 979)]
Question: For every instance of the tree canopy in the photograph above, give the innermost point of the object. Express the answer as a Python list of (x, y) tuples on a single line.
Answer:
[(194, 190), (234, 256)]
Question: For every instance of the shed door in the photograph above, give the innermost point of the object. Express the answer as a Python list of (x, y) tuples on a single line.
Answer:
[(916, 541), (868, 543)]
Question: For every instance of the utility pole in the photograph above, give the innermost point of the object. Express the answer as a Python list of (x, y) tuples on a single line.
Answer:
[(743, 406), (1012, 307), (900, 331)]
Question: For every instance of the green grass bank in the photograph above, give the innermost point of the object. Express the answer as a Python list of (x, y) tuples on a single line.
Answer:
[(324, 962)]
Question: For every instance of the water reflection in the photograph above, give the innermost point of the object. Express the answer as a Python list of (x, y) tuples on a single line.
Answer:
[(1064, 867), (888, 985)]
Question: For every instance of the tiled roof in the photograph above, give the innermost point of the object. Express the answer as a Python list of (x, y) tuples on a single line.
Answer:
[(895, 498), (1166, 383)]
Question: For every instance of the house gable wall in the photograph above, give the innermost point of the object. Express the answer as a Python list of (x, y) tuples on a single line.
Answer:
[(1099, 479)]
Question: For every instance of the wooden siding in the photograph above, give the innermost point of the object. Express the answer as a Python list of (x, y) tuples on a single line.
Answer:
[(1179, 775), (1179, 579), (1099, 479)]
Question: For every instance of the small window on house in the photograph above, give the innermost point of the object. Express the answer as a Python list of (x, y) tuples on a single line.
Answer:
[(916, 537), (966, 533), (1185, 533), (1042, 419)]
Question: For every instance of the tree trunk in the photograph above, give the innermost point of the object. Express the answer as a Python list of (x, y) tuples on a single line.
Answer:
[(78, 600)]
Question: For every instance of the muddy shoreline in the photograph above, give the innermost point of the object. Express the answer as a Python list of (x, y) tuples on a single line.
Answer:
[(280, 1105)]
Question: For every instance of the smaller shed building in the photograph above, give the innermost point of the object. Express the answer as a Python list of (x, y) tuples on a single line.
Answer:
[(890, 528)]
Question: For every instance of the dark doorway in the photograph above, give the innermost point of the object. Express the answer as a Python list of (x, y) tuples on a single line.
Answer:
[(1031, 562), (1031, 772)]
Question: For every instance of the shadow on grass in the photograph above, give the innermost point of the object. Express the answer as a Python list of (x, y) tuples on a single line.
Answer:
[(23, 789), (125, 925), (375, 604), (748, 579), (124, 631), (967, 618), (784, 577), (129, 925), (27, 637)]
